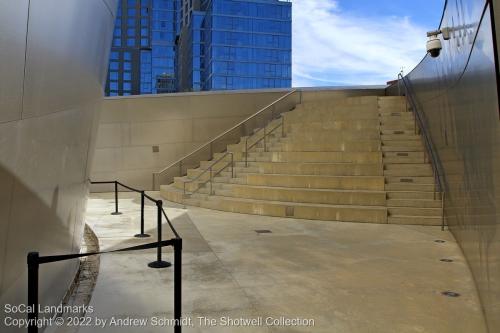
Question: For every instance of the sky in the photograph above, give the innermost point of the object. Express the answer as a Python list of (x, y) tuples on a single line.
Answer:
[(359, 42)]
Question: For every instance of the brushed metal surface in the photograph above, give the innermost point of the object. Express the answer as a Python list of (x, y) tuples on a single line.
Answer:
[(457, 93), (47, 128), (13, 23)]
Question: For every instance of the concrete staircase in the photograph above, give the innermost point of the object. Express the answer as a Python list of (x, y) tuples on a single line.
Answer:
[(357, 159)]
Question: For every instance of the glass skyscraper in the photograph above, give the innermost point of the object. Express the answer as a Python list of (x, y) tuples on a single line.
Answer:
[(192, 45), (142, 57)]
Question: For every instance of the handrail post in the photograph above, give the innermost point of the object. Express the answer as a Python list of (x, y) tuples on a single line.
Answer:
[(159, 263), (142, 234), (116, 212), (442, 209), (211, 150), (180, 169), (246, 152), (177, 284), (265, 146), (210, 180), (33, 267), (282, 126), (232, 165)]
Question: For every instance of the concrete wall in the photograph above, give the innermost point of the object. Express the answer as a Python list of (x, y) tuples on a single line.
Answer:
[(129, 127), (178, 123), (53, 61)]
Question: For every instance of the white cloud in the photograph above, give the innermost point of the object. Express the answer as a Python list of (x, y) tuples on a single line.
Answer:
[(334, 48)]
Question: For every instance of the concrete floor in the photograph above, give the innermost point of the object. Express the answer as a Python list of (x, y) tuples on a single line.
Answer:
[(347, 277)]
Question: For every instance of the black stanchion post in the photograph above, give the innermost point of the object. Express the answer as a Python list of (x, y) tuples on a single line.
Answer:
[(159, 263), (142, 234), (177, 284), (33, 266), (116, 212)]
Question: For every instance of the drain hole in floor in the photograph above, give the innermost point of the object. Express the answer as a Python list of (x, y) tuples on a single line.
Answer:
[(263, 231), (450, 294)]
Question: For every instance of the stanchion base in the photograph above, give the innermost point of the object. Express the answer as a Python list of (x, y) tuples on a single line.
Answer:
[(142, 235), (159, 264), (116, 213)]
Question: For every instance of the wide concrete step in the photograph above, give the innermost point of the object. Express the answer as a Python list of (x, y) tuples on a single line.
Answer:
[(335, 157), (414, 211), (415, 220), (415, 170), (344, 213), (334, 145), (312, 126), (406, 148), (347, 213), (332, 197), (410, 187), (415, 203), (412, 195), (397, 126), (308, 168), (334, 112), (403, 157), (373, 183), (397, 132), (409, 180), (366, 101), (328, 135), (396, 117), (400, 137), (402, 143)]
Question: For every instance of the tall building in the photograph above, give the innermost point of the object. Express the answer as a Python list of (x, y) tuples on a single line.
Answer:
[(142, 59), (191, 45)]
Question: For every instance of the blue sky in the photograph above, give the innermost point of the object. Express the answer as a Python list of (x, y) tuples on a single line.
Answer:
[(353, 42)]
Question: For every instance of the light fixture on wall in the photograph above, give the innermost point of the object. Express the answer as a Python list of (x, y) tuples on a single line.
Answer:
[(434, 43)]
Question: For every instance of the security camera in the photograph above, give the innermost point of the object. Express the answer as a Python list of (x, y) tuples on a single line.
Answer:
[(434, 44)]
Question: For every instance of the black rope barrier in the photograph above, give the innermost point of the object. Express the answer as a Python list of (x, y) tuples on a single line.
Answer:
[(34, 261)]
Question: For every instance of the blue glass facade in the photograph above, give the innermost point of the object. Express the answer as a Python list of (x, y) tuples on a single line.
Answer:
[(143, 50), (249, 45), (191, 45)]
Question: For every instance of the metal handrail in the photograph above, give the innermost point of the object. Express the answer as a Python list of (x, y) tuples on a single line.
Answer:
[(181, 162), (427, 141), (210, 169), (266, 134)]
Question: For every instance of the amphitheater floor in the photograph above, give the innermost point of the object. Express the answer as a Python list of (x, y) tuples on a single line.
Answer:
[(344, 277)]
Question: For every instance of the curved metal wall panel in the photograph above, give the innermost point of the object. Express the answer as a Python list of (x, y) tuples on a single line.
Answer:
[(53, 62), (457, 94)]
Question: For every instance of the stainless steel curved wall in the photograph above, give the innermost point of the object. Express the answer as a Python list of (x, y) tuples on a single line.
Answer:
[(53, 62), (457, 93)]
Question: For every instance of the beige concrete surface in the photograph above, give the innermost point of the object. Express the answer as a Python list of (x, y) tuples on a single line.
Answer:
[(130, 126), (347, 277)]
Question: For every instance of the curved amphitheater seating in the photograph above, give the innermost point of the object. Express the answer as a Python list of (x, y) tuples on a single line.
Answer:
[(356, 160)]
